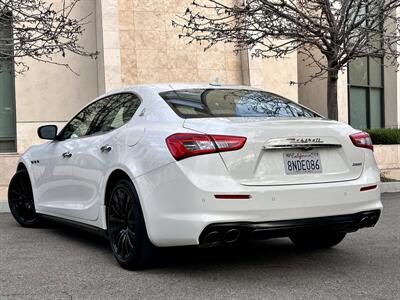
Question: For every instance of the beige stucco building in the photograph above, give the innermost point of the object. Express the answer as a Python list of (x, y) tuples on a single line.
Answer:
[(138, 44)]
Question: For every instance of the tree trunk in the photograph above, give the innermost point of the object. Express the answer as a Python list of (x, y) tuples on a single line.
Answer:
[(332, 85)]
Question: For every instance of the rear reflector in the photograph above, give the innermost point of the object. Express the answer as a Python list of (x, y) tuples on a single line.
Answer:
[(183, 145), (367, 188), (243, 197), (362, 140)]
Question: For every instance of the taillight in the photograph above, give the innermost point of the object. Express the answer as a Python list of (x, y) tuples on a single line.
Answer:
[(183, 145), (362, 139)]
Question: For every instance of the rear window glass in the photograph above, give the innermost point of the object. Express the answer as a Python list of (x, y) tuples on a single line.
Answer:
[(208, 103)]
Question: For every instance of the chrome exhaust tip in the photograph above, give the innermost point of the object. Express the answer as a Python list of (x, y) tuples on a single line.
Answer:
[(372, 221), (212, 239), (231, 236), (363, 222)]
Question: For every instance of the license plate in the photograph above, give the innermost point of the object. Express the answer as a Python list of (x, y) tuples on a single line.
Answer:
[(302, 163)]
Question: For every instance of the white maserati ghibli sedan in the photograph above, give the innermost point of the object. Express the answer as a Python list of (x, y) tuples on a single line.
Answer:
[(207, 165)]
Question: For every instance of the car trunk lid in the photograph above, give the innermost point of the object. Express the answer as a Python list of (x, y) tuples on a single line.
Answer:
[(276, 148)]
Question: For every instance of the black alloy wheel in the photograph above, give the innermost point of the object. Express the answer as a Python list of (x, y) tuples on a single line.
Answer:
[(20, 200), (126, 228)]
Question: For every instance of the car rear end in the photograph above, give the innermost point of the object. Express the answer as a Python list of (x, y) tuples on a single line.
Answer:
[(250, 164)]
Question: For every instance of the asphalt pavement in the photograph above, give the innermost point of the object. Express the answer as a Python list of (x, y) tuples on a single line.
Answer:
[(58, 262)]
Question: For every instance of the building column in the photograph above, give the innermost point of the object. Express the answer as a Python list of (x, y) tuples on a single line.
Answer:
[(391, 97), (108, 45)]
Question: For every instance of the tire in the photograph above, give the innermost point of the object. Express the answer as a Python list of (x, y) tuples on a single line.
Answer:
[(21, 201), (126, 228), (317, 240)]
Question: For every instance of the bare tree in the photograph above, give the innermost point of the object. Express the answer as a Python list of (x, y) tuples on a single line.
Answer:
[(38, 30), (328, 33)]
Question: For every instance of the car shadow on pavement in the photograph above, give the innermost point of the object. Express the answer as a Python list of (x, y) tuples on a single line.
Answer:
[(274, 253), (270, 252)]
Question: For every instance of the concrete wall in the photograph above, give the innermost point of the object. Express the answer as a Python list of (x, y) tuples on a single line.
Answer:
[(52, 94), (314, 94), (273, 75), (152, 52), (391, 97), (311, 94), (278, 75), (387, 156), (8, 166)]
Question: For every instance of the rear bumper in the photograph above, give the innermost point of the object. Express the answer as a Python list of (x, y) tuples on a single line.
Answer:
[(178, 200), (216, 234)]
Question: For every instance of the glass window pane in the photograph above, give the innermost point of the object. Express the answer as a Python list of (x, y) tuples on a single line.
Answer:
[(7, 109), (102, 116), (376, 41), (7, 101), (376, 108), (215, 103), (358, 71), (118, 112), (7, 146), (375, 69), (79, 126), (358, 107)]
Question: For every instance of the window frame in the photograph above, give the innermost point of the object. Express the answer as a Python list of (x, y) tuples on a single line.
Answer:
[(60, 139), (12, 139), (368, 88)]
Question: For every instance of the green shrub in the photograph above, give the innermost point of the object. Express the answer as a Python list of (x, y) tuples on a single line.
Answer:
[(384, 136)]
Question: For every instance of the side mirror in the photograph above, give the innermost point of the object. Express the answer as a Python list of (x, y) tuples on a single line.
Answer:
[(47, 132)]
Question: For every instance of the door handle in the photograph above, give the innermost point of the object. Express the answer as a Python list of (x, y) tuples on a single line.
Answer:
[(67, 154), (106, 148)]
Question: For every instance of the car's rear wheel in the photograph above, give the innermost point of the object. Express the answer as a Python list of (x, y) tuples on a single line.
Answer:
[(126, 228), (20, 200), (315, 240)]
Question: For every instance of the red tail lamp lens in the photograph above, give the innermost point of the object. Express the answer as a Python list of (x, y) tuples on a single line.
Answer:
[(362, 140), (183, 145)]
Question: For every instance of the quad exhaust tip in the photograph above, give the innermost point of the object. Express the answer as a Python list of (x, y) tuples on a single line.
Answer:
[(231, 236), (368, 221), (215, 238), (372, 221), (212, 239), (216, 234)]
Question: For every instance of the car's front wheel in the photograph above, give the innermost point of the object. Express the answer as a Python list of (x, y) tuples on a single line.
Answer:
[(20, 200), (126, 228), (319, 239)]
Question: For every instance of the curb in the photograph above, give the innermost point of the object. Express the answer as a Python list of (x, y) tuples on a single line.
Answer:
[(386, 187), (4, 207), (390, 187)]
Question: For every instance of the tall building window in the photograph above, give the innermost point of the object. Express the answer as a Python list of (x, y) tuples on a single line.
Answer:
[(7, 88), (366, 85)]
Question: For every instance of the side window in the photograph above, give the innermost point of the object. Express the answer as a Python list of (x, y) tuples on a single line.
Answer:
[(102, 116), (79, 126), (118, 111)]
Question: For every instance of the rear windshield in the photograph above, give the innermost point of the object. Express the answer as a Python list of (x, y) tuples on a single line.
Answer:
[(209, 103)]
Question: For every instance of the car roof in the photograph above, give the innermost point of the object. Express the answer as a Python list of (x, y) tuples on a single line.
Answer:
[(163, 87)]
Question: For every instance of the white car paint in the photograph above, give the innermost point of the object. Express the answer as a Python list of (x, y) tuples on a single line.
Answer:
[(177, 197)]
